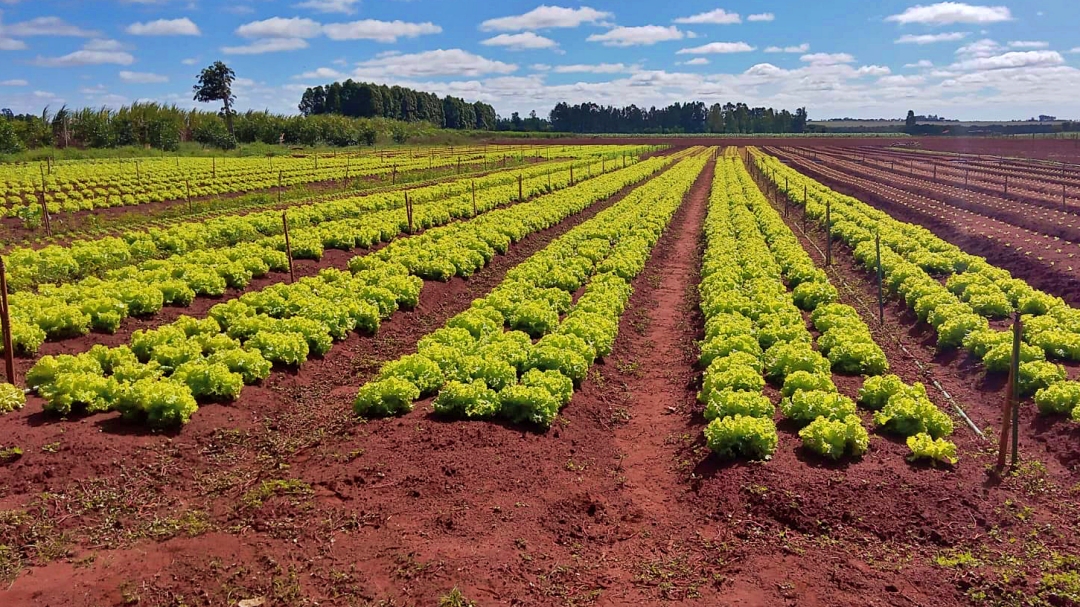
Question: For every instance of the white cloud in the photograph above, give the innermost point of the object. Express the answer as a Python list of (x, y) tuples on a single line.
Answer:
[(714, 17), (190, 61), (944, 13), (322, 73), (599, 68), (717, 48), (1074, 50), (142, 77), (1014, 59), (451, 62), (979, 48), (761, 17), (14, 83), (1028, 44), (165, 27), (379, 31), (45, 26), (544, 17), (802, 48), (346, 7), (522, 41), (266, 45), (643, 35), (921, 63), (873, 70), (279, 27), (901, 80), (86, 57), (8, 44), (827, 58), (697, 61), (931, 38), (98, 51)]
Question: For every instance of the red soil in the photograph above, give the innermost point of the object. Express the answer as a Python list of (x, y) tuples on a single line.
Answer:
[(619, 503)]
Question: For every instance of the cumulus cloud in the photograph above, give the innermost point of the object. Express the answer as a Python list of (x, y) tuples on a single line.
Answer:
[(979, 48), (697, 61), (379, 31), (95, 52), (45, 26), (1029, 44), (644, 35), (761, 17), (599, 68), (931, 38), (322, 73), (921, 63), (945, 13), (266, 45), (827, 58), (279, 27), (9, 44), (520, 42), (1013, 59), (347, 7), (714, 48), (545, 17), (142, 77), (165, 27), (451, 62), (802, 48), (714, 17)]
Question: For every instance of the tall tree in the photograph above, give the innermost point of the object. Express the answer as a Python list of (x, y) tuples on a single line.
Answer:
[(215, 84)]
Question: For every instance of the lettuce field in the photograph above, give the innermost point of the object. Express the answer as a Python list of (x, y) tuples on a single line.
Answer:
[(635, 373)]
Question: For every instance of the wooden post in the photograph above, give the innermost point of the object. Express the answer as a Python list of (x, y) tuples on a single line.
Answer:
[(1015, 387), (188, 182), (880, 280), (965, 176), (393, 176), (213, 167), (5, 326), (346, 174), (571, 174), (828, 232), (1008, 412), (408, 211), (1006, 184), (603, 164), (45, 214), (474, 198), (288, 246), (521, 194), (138, 171), (935, 172), (459, 165), (316, 162)]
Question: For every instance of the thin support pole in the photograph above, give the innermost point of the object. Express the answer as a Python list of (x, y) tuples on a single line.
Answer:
[(408, 211), (5, 326), (1014, 388), (828, 232), (288, 246), (521, 192), (880, 281), (474, 197), (45, 214)]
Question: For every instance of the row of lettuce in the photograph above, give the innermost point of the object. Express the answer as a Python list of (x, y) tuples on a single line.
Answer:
[(82, 186), (756, 283), (162, 374), (519, 352), (959, 308), (126, 277)]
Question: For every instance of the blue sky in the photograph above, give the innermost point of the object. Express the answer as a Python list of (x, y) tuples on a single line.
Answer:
[(1008, 59)]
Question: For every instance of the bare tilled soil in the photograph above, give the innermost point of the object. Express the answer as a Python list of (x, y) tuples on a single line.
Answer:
[(285, 497)]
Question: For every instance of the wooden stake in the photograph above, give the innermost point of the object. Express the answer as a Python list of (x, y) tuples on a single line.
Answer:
[(393, 176), (45, 214), (1007, 408), (138, 171), (880, 280), (5, 326), (214, 166), (571, 174), (288, 246), (408, 211), (474, 198), (1014, 387), (521, 194), (1006, 184), (828, 232)]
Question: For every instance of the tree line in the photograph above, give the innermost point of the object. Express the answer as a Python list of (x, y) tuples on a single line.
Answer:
[(367, 100)]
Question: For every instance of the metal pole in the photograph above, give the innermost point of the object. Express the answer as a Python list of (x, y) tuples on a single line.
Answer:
[(5, 325), (288, 246)]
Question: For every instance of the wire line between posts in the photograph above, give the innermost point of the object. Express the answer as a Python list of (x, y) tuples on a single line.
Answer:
[(918, 363)]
